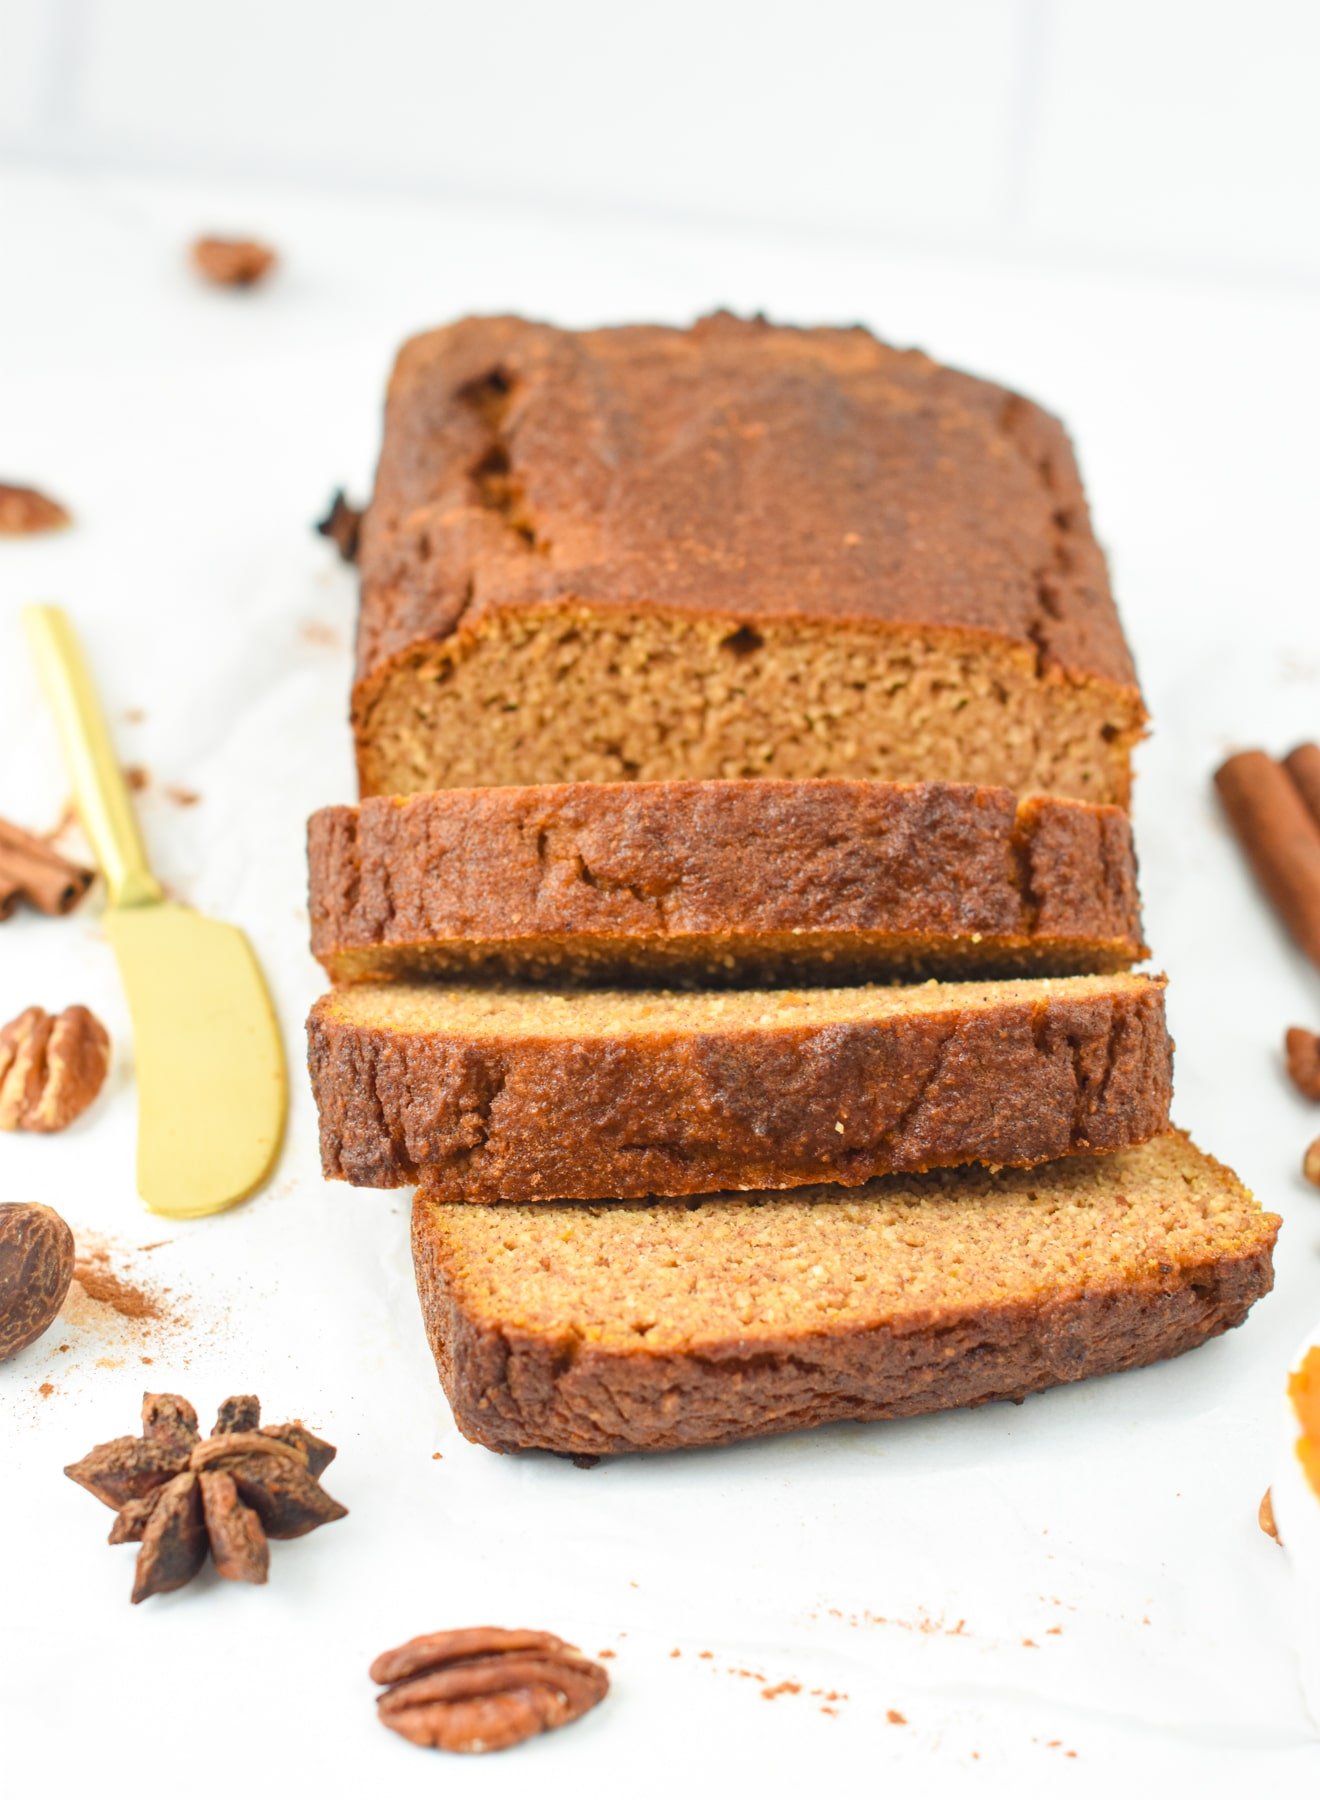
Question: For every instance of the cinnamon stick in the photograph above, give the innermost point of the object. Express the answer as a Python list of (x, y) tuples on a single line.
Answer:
[(30, 867), (1281, 839), (1303, 764)]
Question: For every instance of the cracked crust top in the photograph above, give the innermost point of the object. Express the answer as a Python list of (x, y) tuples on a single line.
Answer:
[(737, 469)]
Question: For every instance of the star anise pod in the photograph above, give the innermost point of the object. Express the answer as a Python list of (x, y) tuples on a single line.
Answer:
[(179, 1494)]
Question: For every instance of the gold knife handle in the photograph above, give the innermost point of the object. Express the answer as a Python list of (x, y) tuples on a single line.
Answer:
[(99, 789)]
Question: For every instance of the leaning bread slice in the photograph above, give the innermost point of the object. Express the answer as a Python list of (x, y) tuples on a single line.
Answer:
[(505, 1093), (663, 1324), (735, 882)]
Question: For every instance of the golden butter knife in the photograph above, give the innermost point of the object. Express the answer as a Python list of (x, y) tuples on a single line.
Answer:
[(212, 1093)]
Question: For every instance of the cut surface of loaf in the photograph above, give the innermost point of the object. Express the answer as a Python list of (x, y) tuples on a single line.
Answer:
[(506, 1093), (735, 550), (735, 882), (664, 1324)]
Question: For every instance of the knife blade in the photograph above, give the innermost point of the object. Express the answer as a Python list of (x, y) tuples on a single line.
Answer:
[(209, 1062)]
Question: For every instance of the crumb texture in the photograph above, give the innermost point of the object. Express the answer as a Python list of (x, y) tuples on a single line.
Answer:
[(646, 1326), (504, 1093), (739, 550), (722, 881)]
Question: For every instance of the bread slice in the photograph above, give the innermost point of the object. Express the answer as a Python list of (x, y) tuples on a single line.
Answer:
[(648, 554), (730, 882), (664, 1324), (507, 1093)]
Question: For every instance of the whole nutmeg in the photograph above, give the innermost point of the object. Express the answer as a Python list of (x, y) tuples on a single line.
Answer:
[(36, 1267)]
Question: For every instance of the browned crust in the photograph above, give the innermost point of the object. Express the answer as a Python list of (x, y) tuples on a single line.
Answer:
[(728, 881), (667, 1112), (514, 1389), (737, 469)]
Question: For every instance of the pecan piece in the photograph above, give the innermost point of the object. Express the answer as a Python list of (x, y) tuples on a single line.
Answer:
[(1265, 1516), (232, 262), (36, 1267), (1303, 1049), (24, 510), (51, 1068), (484, 1688), (1311, 1163)]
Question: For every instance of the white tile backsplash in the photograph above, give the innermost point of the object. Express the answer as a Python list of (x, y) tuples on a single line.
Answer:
[(1181, 129), (1179, 134), (844, 113), (28, 35)]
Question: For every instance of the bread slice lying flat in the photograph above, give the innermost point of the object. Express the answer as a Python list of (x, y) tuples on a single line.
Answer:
[(652, 1326), (502, 1093), (735, 882)]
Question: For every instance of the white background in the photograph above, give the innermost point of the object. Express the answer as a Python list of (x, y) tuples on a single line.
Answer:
[(1110, 206)]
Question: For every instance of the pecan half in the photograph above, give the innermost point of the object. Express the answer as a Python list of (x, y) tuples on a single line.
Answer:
[(1303, 1049), (51, 1068), (232, 262), (485, 1688), (24, 511)]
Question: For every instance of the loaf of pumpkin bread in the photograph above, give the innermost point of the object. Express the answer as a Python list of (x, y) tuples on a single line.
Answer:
[(722, 882), (735, 550), (659, 1325), (505, 1093)]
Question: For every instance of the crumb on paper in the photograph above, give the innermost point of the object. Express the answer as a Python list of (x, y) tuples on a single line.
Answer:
[(927, 1624), (436, 1456), (895, 1717), (46, 1389), (606, 1655), (781, 1687), (343, 526), (182, 796), (134, 715), (138, 778), (321, 636)]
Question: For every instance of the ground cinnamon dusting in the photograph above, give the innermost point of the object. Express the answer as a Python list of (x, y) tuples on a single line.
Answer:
[(99, 1282)]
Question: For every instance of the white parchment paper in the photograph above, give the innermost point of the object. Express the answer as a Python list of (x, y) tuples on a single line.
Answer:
[(1062, 1597)]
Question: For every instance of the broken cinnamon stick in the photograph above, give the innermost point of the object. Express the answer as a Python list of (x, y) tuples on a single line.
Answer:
[(1303, 764), (29, 866), (1281, 839)]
